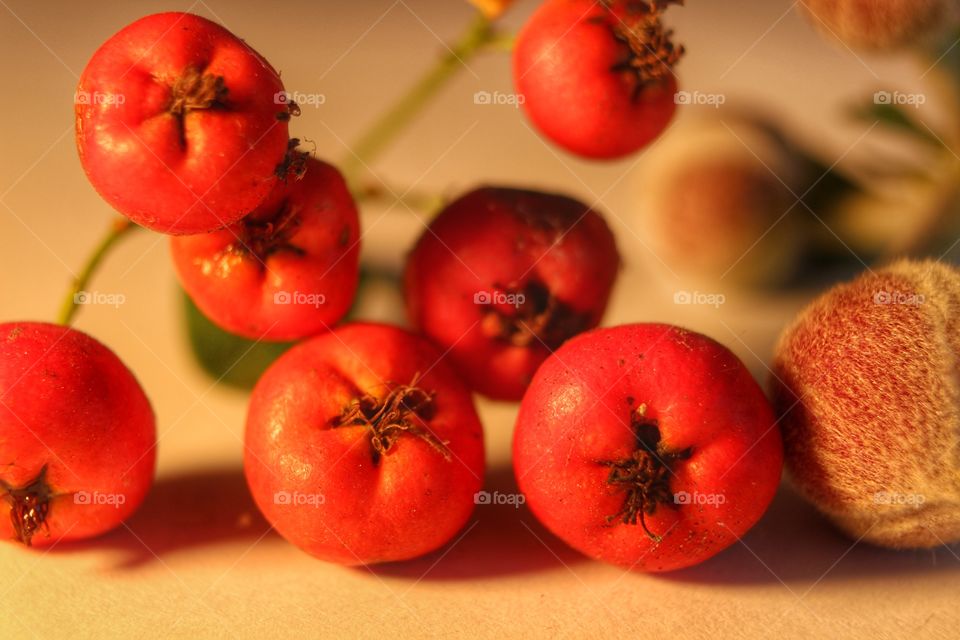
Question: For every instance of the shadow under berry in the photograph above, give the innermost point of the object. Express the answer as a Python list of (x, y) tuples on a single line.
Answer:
[(794, 544), (791, 544), (196, 509), (498, 540)]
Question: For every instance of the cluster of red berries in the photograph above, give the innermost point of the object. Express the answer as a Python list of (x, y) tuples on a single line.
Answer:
[(362, 443)]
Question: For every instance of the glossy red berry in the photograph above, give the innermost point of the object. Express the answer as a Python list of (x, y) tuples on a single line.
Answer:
[(596, 77), (502, 277), (286, 271), (646, 446), (77, 436), (180, 125), (363, 447)]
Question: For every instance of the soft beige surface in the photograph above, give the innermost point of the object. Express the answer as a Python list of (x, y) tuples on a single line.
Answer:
[(198, 561)]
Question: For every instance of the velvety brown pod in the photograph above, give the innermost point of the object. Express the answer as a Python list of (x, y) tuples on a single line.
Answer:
[(880, 24), (719, 201), (867, 386)]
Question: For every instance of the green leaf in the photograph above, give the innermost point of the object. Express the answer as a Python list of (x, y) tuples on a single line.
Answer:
[(225, 357), (895, 117)]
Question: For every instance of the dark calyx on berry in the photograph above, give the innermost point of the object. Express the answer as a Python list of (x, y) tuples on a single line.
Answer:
[(294, 161), (644, 475), (650, 51), (197, 90), (404, 410), (292, 110), (263, 238), (193, 91), (29, 506), (533, 317)]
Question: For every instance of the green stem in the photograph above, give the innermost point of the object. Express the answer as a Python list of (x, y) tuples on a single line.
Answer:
[(68, 309), (501, 42), (418, 200), (479, 33)]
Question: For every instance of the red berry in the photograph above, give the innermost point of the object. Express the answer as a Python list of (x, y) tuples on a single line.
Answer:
[(596, 77), (77, 436), (363, 447), (286, 271), (647, 446), (504, 276), (180, 124)]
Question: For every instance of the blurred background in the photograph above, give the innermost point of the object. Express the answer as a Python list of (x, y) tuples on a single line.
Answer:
[(796, 176)]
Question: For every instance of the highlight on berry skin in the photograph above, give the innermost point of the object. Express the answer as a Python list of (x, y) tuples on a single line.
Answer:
[(609, 306), (615, 89)]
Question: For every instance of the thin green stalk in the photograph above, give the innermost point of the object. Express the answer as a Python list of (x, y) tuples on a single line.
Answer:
[(478, 34), (71, 303), (501, 42)]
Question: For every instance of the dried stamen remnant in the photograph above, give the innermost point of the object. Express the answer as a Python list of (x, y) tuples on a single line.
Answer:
[(294, 161), (292, 110), (194, 91), (405, 409), (29, 506), (651, 53), (536, 317), (263, 238), (644, 475), (197, 90)]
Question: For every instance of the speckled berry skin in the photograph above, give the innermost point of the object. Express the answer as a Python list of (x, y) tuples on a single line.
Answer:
[(503, 276), (287, 271), (153, 142), (69, 405), (587, 408), (339, 500), (564, 67)]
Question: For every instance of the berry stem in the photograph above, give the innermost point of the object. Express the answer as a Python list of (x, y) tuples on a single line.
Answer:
[(503, 42), (118, 229), (478, 34), (393, 195)]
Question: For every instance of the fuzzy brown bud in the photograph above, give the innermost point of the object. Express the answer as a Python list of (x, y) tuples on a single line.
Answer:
[(881, 24), (866, 384)]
